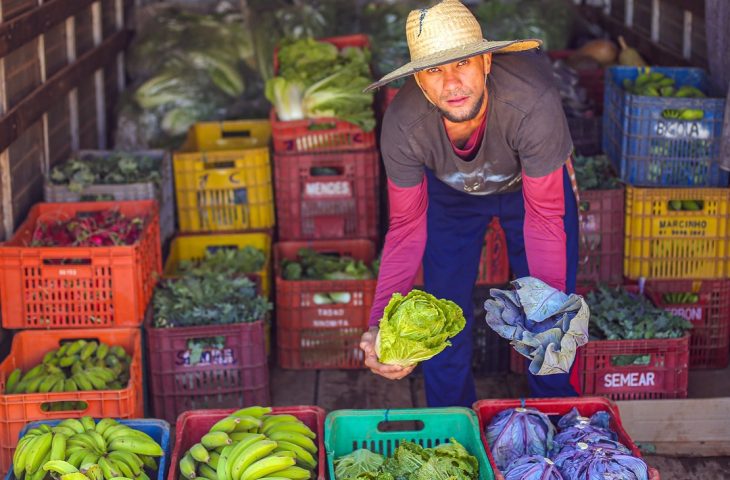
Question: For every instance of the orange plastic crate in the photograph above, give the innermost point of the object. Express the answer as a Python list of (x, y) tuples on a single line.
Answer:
[(311, 336), (104, 287), (28, 349)]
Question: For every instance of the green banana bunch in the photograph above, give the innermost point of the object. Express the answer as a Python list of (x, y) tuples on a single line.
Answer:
[(655, 84), (78, 449), (680, 298), (252, 444), (75, 366)]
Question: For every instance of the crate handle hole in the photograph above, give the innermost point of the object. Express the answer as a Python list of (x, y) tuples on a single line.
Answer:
[(401, 426), (332, 298), (236, 134), (630, 360), (316, 127), (686, 205), (323, 171), (67, 261), (220, 165), (64, 406)]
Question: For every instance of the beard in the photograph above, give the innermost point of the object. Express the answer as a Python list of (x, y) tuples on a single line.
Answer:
[(464, 117)]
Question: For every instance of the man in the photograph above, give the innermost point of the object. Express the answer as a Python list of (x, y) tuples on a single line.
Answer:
[(471, 136)]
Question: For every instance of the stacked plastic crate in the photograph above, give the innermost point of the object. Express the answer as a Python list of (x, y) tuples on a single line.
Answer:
[(72, 297), (224, 202), (666, 147), (327, 178)]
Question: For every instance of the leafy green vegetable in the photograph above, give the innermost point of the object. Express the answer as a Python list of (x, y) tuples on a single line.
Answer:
[(410, 461), (360, 461), (315, 81), (595, 173), (226, 261), (417, 327), (312, 265), (116, 168), (212, 299), (617, 314)]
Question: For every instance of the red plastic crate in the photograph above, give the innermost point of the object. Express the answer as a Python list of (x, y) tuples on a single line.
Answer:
[(235, 375), (192, 425), (665, 376), (104, 287), (494, 263), (28, 349), (710, 317), (601, 249), (384, 97), (342, 205), (311, 336), (587, 406), (321, 134)]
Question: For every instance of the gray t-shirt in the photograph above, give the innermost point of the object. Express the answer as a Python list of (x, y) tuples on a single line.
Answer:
[(526, 129)]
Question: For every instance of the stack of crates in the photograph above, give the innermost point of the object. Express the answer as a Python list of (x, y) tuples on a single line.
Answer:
[(327, 182), (667, 152), (223, 185), (56, 296)]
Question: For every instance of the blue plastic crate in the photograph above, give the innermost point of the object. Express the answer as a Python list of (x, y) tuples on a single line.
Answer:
[(159, 430), (650, 150)]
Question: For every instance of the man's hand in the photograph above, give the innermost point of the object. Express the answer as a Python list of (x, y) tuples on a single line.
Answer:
[(392, 372)]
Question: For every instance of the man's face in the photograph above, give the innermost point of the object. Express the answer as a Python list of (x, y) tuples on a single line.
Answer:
[(457, 89)]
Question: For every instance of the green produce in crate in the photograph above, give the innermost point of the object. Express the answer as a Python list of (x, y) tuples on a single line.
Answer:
[(686, 205), (679, 298), (655, 84), (77, 449), (116, 168), (595, 173), (210, 299), (75, 366), (311, 265), (410, 461), (617, 314), (226, 261), (252, 443)]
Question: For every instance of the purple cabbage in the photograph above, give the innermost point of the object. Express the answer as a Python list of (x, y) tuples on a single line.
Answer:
[(600, 419), (532, 468), (518, 432), (583, 433), (586, 462)]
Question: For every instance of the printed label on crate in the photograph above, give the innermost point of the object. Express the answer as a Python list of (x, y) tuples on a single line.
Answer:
[(682, 129), (333, 189), (691, 313), (643, 380), (670, 226), (207, 357)]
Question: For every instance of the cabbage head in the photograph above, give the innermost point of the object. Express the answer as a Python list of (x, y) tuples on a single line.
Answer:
[(533, 467), (517, 432), (587, 434), (588, 462), (358, 464), (600, 419), (416, 327)]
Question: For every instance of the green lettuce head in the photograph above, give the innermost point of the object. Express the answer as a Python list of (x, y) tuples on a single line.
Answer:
[(416, 327)]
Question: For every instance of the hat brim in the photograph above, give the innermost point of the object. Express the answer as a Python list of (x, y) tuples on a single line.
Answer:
[(454, 55)]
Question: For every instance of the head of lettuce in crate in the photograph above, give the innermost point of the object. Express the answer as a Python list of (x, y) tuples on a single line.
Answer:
[(477, 131)]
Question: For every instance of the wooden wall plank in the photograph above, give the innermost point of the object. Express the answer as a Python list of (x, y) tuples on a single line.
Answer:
[(87, 114), (32, 107), (56, 55), (15, 8), (26, 161), (84, 31), (59, 132), (22, 73)]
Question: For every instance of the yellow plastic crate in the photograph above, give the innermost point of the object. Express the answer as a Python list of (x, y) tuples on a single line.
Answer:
[(662, 243), (223, 177), (193, 247)]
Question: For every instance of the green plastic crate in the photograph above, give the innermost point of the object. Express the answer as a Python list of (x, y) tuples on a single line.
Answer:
[(348, 430)]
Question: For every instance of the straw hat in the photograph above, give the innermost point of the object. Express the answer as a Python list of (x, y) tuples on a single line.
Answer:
[(446, 33)]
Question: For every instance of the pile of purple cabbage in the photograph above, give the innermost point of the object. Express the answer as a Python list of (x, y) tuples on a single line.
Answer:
[(526, 446)]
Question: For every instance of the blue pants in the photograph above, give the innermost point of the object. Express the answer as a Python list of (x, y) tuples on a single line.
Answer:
[(457, 224)]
